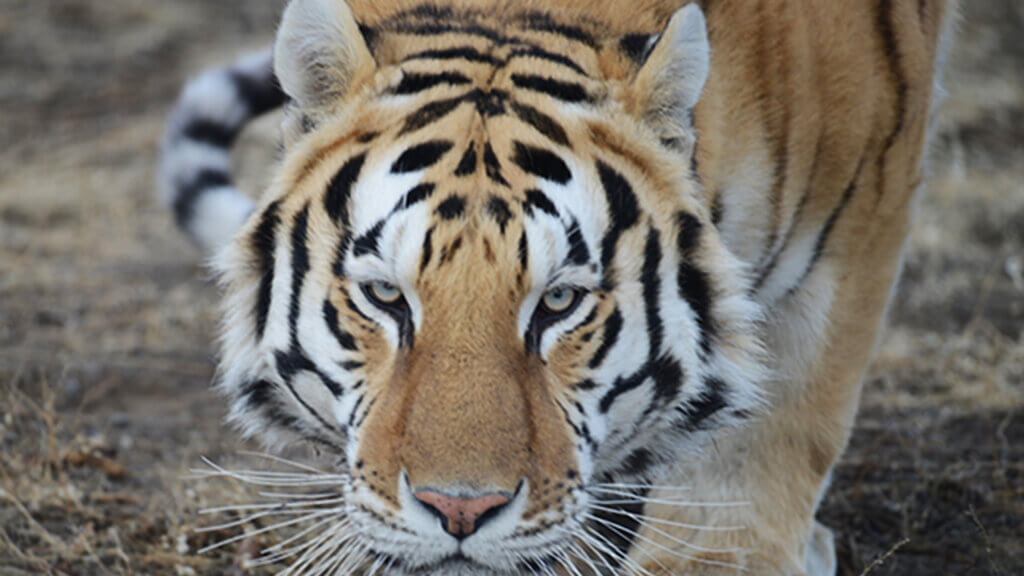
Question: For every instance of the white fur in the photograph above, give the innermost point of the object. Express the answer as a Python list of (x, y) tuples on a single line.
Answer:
[(217, 214)]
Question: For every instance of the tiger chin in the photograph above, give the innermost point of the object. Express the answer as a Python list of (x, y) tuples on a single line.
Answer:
[(570, 287)]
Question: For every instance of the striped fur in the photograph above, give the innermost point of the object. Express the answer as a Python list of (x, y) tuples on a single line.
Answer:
[(195, 168), (725, 200)]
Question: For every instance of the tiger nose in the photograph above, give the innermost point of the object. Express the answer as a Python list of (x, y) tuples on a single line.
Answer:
[(462, 516)]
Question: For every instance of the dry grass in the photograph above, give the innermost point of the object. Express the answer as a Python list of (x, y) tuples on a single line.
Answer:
[(106, 319)]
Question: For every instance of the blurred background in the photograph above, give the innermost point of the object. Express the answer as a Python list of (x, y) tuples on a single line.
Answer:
[(107, 316)]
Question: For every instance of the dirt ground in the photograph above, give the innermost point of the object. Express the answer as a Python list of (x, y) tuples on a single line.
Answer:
[(106, 318)]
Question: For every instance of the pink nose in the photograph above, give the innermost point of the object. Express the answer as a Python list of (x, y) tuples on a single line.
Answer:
[(462, 516)]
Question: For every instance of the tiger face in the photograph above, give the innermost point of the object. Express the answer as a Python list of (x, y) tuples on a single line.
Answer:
[(483, 278)]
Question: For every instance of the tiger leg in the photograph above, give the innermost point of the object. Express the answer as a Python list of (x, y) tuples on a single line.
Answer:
[(822, 336)]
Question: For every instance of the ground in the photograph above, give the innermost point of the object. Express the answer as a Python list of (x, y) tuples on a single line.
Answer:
[(107, 316)]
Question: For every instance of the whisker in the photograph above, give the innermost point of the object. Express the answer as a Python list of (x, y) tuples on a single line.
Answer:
[(585, 539), (622, 486), (233, 523), (320, 544), (580, 553), (355, 555), (656, 520), (675, 539), (666, 549), (297, 496), (280, 546), (280, 460), (270, 506), (270, 528), (622, 557), (630, 498)]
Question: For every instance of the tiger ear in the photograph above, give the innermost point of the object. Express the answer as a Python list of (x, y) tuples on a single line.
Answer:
[(319, 52), (671, 79)]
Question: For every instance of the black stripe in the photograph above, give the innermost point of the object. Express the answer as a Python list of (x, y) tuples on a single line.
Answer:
[(579, 254), (212, 132), (544, 124), (499, 211), (340, 189), (367, 137), (467, 165), (665, 372), (293, 362), (430, 113), (421, 156), (537, 199), (412, 83), (626, 526), (886, 10), (428, 249), (448, 252), (636, 47), (543, 22), (461, 53), (187, 194), (438, 28), (541, 163), (609, 337), (667, 375), (651, 282), (586, 320), (566, 91), (370, 36), (622, 210), (693, 284), (537, 52), (826, 230), (524, 252), (259, 396), (259, 94), (300, 267), (488, 103), (711, 401), (366, 412), (638, 462), (415, 196), (263, 243), (338, 268), (368, 243), (767, 271), (492, 166), (621, 386), (333, 321), (451, 208), (355, 410)]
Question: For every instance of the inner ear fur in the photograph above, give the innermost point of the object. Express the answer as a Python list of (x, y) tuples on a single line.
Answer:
[(320, 53), (669, 82)]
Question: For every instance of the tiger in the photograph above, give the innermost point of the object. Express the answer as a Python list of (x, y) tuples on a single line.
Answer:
[(575, 287)]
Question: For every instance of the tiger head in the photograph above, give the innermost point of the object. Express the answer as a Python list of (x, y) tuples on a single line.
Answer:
[(484, 277)]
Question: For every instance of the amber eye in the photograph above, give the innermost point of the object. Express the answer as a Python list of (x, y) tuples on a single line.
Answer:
[(559, 300), (385, 293)]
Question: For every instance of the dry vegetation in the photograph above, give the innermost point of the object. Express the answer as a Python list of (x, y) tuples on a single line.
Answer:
[(106, 318)]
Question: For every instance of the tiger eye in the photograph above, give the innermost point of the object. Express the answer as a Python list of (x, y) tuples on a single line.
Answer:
[(559, 299), (385, 292)]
